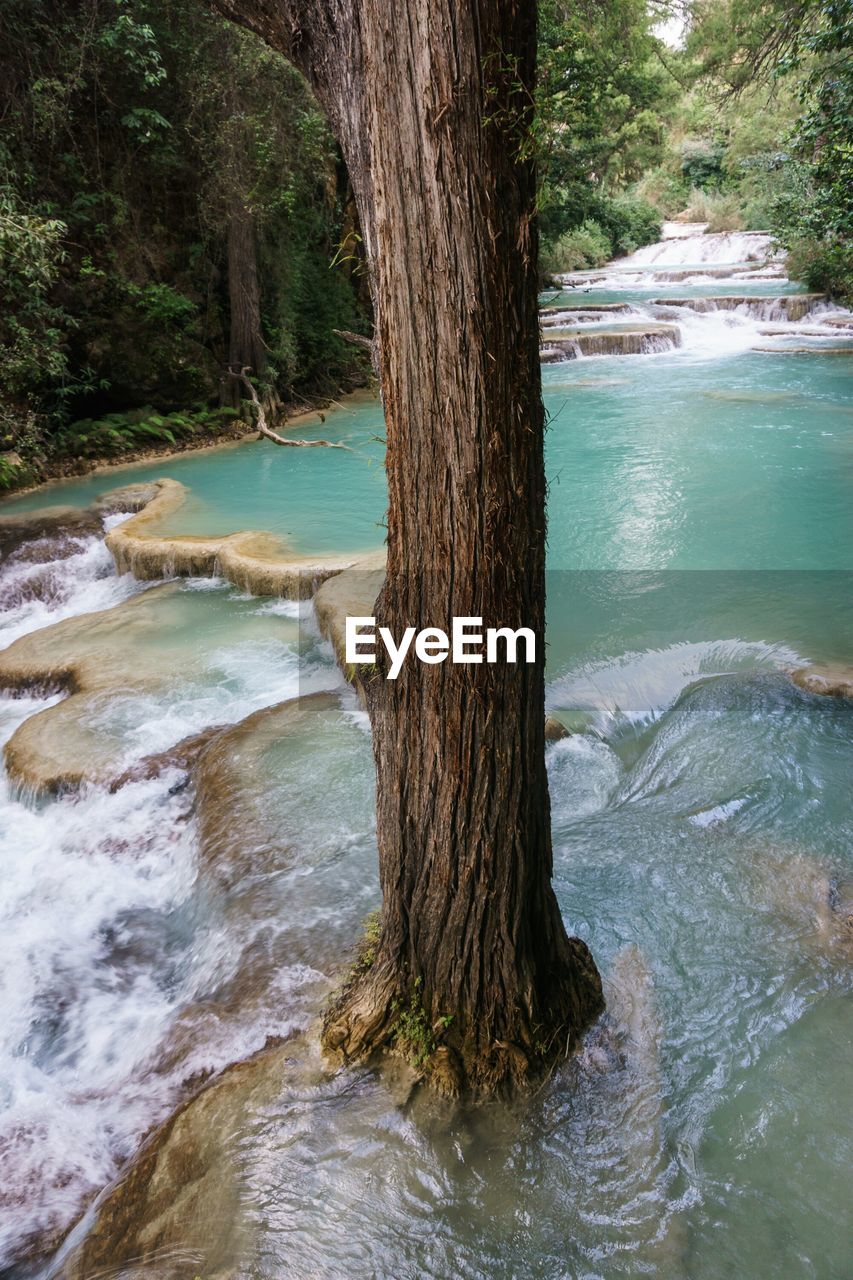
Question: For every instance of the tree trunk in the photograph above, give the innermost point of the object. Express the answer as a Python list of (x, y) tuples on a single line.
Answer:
[(473, 974), (246, 347)]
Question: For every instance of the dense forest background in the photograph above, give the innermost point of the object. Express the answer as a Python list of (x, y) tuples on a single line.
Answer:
[(172, 205)]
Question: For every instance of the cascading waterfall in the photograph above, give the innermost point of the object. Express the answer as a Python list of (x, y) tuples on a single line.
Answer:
[(713, 249), (60, 576), (740, 314), (97, 1039)]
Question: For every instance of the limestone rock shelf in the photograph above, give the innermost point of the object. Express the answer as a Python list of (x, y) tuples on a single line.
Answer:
[(252, 561), (586, 312), (176, 1210), (830, 680), (790, 306), (633, 340), (746, 271)]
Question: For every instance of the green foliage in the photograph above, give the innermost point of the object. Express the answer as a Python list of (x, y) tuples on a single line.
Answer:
[(370, 940), (602, 92), (31, 255), (134, 42), (621, 225), (664, 189), (824, 264), (16, 473), (365, 951), (413, 1036), (722, 212), (781, 76), (133, 131), (702, 161), (587, 246), (815, 215), (10, 474), (118, 433), (161, 304), (21, 448), (629, 222)]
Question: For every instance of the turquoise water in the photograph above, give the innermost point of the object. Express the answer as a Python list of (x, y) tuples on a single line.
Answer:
[(674, 461), (661, 469), (681, 462), (318, 500), (650, 288)]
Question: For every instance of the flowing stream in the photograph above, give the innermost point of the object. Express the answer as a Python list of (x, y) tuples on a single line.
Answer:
[(155, 931)]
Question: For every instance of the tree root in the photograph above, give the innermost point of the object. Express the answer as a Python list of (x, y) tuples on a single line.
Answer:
[(377, 1014)]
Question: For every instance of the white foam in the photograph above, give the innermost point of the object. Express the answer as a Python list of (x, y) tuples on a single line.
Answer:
[(582, 774), (750, 255), (708, 332), (73, 1025), (35, 595), (718, 814), (105, 940), (639, 686), (676, 230), (105, 943), (102, 945), (710, 335), (115, 518), (725, 248), (206, 584), (283, 608)]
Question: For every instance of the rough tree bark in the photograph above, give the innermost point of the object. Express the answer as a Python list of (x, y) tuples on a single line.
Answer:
[(246, 347), (431, 101)]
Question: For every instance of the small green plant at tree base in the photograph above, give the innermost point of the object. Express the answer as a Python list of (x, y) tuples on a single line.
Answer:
[(365, 952), (413, 1034), (360, 674), (372, 930)]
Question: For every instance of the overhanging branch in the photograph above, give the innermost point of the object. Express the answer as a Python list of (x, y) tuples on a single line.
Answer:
[(359, 340)]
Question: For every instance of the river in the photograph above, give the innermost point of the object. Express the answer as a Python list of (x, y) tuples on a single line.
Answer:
[(156, 931)]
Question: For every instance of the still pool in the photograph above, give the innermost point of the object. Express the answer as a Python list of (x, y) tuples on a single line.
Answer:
[(689, 460)]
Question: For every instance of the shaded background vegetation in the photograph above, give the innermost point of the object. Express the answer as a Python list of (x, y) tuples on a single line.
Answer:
[(172, 204), (746, 126), (762, 133), (153, 160)]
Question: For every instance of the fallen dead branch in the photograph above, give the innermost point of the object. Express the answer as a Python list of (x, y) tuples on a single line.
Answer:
[(261, 421)]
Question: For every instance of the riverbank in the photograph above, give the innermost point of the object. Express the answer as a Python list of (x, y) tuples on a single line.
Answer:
[(234, 431)]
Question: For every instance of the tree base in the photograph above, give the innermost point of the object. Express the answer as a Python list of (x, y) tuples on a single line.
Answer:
[(377, 1013)]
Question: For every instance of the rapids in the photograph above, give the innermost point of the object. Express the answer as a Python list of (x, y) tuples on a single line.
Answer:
[(154, 932), (721, 248)]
